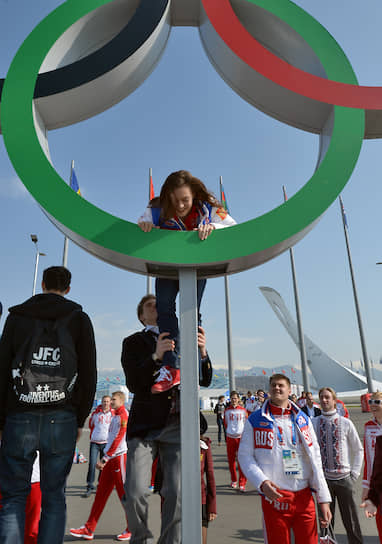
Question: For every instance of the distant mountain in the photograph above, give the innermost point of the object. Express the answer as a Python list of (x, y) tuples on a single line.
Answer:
[(220, 378), (113, 377)]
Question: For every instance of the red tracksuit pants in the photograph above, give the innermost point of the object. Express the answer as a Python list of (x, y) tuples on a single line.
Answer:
[(298, 512), (113, 475), (232, 447), (32, 514)]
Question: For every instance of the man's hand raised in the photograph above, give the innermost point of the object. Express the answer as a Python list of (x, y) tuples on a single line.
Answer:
[(202, 342)]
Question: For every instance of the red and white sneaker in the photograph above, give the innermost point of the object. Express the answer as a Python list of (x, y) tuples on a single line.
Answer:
[(242, 488), (82, 532), (168, 377), (124, 536), (234, 485)]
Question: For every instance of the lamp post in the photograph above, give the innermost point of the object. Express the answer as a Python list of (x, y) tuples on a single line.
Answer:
[(38, 253)]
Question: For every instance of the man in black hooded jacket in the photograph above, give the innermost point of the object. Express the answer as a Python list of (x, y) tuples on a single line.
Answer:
[(50, 429)]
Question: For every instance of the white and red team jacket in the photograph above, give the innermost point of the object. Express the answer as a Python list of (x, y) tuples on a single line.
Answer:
[(99, 423), (250, 404), (116, 440), (372, 430), (234, 419), (260, 452)]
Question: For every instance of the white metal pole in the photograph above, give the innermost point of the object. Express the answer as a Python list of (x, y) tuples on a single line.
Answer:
[(357, 308), (66, 240), (304, 364), (35, 271), (231, 372), (189, 410)]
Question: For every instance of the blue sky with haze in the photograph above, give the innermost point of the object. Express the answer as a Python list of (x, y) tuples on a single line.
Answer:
[(185, 116)]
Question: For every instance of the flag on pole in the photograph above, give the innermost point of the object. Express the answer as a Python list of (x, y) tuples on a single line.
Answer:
[(285, 195), (151, 189), (74, 182), (344, 218), (223, 197), (293, 370), (264, 373), (283, 371)]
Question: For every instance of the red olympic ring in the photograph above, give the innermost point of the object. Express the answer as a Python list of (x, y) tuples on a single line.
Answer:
[(250, 51)]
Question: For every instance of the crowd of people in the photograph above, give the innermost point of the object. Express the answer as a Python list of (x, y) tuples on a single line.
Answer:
[(295, 452), (289, 446)]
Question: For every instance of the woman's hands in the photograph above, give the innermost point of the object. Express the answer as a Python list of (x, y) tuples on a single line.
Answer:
[(147, 226), (205, 230)]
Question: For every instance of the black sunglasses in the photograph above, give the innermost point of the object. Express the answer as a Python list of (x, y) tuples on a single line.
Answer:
[(375, 401)]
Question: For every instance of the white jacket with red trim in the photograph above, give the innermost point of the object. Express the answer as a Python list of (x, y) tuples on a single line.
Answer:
[(260, 452), (250, 404), (116, 441), (372, 430), (99, 423), (234, 419)]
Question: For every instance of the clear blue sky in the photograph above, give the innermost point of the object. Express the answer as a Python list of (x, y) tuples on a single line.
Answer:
[(185, 116)]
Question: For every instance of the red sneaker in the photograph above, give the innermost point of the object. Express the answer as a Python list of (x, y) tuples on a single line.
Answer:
[(124, 536), (82, 532), (168, 377)]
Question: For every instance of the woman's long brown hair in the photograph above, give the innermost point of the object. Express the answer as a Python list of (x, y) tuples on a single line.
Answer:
[(175, 181)]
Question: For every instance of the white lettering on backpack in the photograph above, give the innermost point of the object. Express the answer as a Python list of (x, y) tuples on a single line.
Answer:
[(47, 356), (42, 394)]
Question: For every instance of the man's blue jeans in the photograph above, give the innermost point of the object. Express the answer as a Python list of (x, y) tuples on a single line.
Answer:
[(95, 449), (54, 434), (166, 292)]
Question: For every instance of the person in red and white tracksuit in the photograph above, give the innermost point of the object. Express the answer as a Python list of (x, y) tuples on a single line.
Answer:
[(99, 423), (341, 409), (372, 429), (33, 505), (250, 403), (234, 419), (280, 456), (113, 467)]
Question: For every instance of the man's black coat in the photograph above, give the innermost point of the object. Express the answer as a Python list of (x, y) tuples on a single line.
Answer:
[(148, 411)]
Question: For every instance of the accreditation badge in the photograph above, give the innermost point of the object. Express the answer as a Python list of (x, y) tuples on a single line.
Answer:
[(292, 463)]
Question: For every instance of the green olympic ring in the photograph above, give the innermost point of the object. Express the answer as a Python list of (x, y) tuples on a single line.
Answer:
[(229, 246)]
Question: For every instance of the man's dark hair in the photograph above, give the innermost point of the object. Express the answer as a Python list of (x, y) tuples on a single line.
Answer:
[(140, 306), (279, 377), (234, 393), (56, 278)]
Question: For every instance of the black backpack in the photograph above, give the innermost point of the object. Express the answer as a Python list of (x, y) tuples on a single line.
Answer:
[(44, 370)]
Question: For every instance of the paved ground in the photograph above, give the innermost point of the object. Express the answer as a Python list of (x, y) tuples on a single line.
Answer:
[(239, 515)]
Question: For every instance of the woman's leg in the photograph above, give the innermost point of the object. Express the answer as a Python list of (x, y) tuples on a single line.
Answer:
[(166, 291)]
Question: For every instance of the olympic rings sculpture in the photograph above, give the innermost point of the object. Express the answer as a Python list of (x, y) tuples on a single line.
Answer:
[(312, 86)]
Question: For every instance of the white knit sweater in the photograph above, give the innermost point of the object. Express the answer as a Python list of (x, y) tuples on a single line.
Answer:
[(341, 448)]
